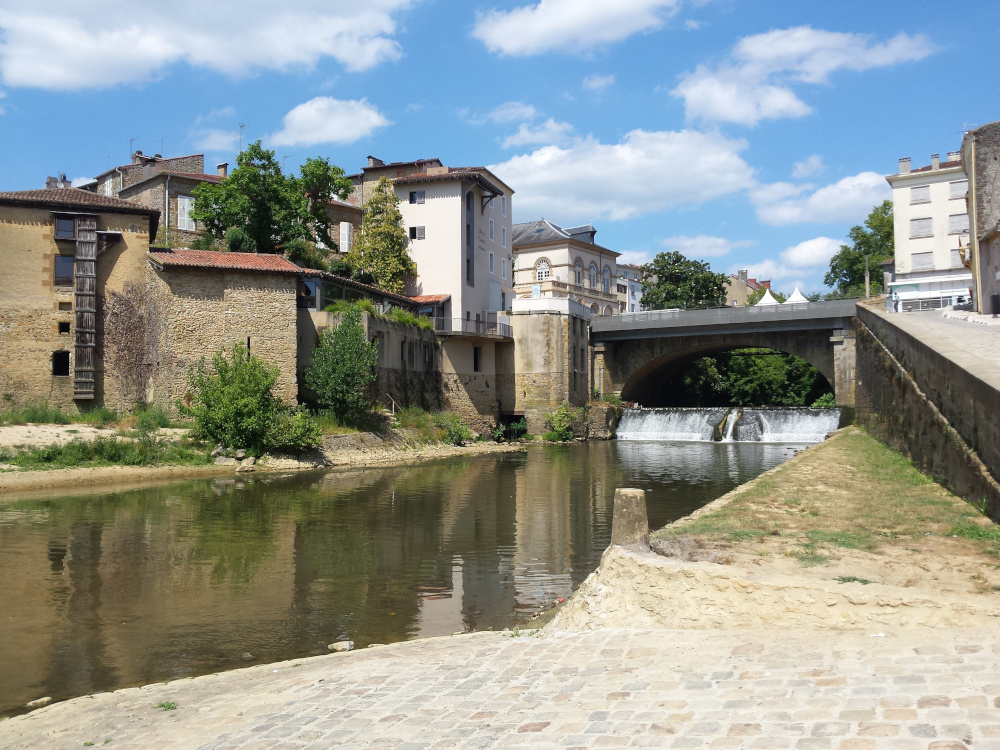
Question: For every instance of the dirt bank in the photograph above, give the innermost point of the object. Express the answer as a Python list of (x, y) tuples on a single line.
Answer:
[(843, 535)]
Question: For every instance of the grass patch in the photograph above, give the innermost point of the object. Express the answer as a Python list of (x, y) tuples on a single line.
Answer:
[(328, 424), (845, 539), (810, 558), (853, 579), (105, 451), (987, 535), (434, 427), (167, 705)]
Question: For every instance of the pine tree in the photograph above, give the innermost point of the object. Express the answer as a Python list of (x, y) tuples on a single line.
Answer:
[(381, 248)]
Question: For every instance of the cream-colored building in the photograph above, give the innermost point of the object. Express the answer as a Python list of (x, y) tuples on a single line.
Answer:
[(931, 225), (551, 261), (629, 288), (739, 288)]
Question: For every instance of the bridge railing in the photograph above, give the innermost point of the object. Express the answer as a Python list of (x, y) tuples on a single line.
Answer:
[(725, 315)]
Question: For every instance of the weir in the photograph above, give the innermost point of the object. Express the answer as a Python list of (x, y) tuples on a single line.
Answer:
[(723, 424)]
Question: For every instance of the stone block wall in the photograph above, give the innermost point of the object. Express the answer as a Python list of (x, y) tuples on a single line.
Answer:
[(930, 408), (206, 310)]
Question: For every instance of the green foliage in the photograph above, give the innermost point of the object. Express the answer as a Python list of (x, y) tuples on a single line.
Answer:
[(306, 254), (102, 416), (381, 246), (39, 413), (827, 400), (150, 418), (875, 240), (167, 705), (361, 305), (434, 426), (675, 281), (406, 318), (144, 450), (457, 432), (232, 404), (852, 579), (269, 209), (561, 422), (757, 295), (343, 368), (748, 377)]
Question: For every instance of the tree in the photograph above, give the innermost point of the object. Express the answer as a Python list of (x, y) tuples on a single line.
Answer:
[(874, 240), (755, 296), (343, 368), (259, 209), (381, 248), (675, 281)]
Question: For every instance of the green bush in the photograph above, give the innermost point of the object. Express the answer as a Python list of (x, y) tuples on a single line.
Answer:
[(406, 318), (150, 418), (343, 368), (826, 400), (457, 432), (100, 417), (361, 305), (232, 404), (560, 423), (39, 413), (103, 451)]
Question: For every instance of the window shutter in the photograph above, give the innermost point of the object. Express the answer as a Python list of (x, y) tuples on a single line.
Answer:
[(958, 224), (420, 233), (958, 189), (956, 259), (921, 227), (922, 262), (920, 194)]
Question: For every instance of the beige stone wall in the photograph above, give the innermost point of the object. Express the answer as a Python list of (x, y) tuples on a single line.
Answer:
[(30, 301), (473, 395), (209, 310)]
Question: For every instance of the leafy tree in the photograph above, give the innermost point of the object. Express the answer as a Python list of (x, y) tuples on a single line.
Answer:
[(343, 368), (875, 240), (381, 247), (232, 404), (676, 281), (259, 209)]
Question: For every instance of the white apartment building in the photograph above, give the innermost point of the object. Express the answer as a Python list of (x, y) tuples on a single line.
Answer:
[(629, 288), (931, 225), (551, 261)]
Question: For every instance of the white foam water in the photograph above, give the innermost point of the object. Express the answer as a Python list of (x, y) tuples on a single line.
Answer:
[(763, 425)]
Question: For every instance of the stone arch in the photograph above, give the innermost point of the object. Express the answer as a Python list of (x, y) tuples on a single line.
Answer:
[(608, 310)]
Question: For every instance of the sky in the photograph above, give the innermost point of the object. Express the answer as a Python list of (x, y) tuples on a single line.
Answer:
[(745, 133)]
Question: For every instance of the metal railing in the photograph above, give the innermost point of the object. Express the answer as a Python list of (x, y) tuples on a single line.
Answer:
[(725, 315), (472, 327), (550, 285)]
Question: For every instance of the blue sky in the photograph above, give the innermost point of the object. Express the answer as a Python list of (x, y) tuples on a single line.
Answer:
[(747, 133)]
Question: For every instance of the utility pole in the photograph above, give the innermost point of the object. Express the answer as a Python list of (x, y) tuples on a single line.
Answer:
[(868, 286)]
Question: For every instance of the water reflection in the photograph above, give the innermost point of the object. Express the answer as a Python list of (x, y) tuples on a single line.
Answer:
[(109, 590)]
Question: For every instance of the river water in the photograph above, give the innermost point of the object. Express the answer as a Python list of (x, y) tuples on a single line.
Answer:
[(109, 590)]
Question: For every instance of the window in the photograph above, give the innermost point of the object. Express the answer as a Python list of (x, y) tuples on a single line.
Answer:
[(491, 230), (492, 268), (542, 270), (503, 205), (503, 300), (60, 364), (921, 228), (958, 189), (503, 268), (503, 236), (64, 270), (958, 224), (922, 262), (468, 201), (416, 233), (607, 280), (468, 234), (491, 202), (416, 196), (477, 359), (593, 277), (65, 228), (578, 272), (920, 194), (66, 306), (185, 204), (64, 327)]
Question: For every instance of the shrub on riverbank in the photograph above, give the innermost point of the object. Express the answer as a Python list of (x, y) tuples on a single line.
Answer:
[(42, 413), (233, 404), (343, 369), (145, 450), (562, 421), (439, 427)]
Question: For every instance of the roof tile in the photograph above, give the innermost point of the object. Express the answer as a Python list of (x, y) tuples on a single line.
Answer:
[(73, 197), (224, 261)]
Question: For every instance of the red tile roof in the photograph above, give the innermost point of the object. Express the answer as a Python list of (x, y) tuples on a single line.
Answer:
[(430, 299), (941, 165), (194, 176), (73, 197), (223, 261)]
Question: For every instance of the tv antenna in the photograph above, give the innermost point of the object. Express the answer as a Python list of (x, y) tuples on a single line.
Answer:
[(130, 151), (242, 128)]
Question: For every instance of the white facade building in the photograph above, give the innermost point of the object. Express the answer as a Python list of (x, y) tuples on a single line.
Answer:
[(629, 288), (931, 225)]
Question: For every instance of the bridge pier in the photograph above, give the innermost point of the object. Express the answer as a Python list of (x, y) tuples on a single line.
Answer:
[(844, 366)]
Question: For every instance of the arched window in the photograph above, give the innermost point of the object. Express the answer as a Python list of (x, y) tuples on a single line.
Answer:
[(607, 280), (593, 309), (578, 271), (608, 310), (593, 276), (542, 270)]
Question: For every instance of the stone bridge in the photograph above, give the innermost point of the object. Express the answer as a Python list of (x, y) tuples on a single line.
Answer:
[(637, 354)]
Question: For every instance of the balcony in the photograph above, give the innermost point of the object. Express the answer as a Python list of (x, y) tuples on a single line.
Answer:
[(556, 288), (479, 328)]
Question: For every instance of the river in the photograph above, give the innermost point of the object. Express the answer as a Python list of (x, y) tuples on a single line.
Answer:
[(109, 590)]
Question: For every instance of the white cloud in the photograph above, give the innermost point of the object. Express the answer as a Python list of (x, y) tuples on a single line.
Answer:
[(595, 82), (692, 25), (3, 94), (849, 200), (68, 45), (811, 253), (513, 112), (569, 25), (215, 139), (81, 181), (549, 132), (755, 82), (646, 172), (328, 120), (801, 265), (703, 246), (808, 167)]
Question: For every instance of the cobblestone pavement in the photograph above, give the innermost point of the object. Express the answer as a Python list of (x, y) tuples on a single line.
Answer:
[(980, 338), (608, 688)]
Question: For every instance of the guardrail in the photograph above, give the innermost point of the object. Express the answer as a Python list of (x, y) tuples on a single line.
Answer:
[(840, 308), (472, 327)]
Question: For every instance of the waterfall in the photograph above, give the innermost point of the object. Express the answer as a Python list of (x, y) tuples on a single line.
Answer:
[(763, 425)]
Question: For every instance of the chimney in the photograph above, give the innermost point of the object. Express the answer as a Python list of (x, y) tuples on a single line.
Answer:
[(51, 183), (935, 161), (373, 162), (742, 275), (137, 157), (904, 165), (954, 156), (222, 170)]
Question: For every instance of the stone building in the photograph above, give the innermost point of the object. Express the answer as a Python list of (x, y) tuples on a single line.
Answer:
[(550, 261), (213, 300), (61, 252), (167, 185), (739, 288), (981, 158)]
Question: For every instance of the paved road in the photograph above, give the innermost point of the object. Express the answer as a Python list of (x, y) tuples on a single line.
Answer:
[(979, 336), (607, 688)]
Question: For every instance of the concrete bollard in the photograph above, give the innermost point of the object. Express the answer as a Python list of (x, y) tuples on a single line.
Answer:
[(629, 525)]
